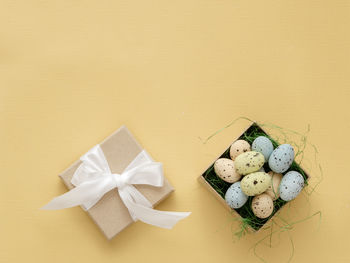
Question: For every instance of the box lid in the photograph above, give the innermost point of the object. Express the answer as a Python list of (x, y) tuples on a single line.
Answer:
[(110, 213)]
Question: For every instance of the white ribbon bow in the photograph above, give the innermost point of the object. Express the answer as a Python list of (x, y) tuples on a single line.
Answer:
[(93, 179)]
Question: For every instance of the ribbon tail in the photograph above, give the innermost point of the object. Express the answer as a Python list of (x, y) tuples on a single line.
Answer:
[(86, 194), (164, 219), (148, 215)]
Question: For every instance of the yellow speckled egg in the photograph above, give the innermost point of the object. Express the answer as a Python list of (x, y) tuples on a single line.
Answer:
[(238, 147), (225, 169), (255, 183), (273, 190), (262, 205), (249, 162)]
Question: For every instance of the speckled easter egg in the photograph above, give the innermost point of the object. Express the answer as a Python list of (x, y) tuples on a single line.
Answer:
[(263, 145), (249, 162), (225, 169), (255, 183), (273, 189), (238, 147), (281, 158), (234, 196), (262, 206), (291, 185)]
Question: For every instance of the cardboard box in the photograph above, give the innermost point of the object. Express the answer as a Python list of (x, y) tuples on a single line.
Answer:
[(110, 213), (220, 197)]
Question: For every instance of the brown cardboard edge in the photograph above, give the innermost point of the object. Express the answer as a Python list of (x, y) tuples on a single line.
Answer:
[(219, 197), (216, 195), (221, 200)]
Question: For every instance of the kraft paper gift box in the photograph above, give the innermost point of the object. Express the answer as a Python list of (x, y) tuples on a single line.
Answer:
[(225, 154), (110, 213)]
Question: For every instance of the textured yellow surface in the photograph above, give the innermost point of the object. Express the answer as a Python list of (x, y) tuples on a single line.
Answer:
[(71, 72)]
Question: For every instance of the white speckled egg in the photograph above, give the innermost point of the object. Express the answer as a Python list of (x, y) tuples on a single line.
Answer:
[(255, 183), (291, 185), (263, 145), (281, 158), (225, 169), (249, 162), (234, 196), (238, 147), (273, 189), (262, 206)]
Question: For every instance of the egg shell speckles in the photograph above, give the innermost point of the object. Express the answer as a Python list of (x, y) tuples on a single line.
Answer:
[(234, 196), (263, 145), (238, 147), (273, 189), (255, 183), (281, 158), (249, 162), (262, 206), (225, 169), (291, 185)]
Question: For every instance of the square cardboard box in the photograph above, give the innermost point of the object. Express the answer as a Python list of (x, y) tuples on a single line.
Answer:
[(219, 195), (110, 213)]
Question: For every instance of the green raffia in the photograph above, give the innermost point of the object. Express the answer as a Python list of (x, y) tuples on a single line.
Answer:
[(277, 224), (287, 227), (224, 128)]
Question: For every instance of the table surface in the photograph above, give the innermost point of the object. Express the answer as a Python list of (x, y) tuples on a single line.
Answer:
[(72, 72)]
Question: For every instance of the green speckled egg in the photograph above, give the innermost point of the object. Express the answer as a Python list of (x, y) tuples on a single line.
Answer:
[(255, 183), (249, 162)]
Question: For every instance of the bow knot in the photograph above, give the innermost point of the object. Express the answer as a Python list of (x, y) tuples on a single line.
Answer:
[(93, 179), (119, 180)]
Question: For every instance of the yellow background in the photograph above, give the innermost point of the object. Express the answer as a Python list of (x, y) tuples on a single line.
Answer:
[(71, 72)]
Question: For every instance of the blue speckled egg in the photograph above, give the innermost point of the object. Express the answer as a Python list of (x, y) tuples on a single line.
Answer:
[(263, 145), (234, 196), (281, 158), (291, 185)]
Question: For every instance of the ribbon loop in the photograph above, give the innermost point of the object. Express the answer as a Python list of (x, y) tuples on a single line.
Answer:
[(93, 179)]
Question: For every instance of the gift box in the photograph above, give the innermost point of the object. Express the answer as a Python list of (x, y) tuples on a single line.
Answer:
[(217, 187), (109, 213)]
